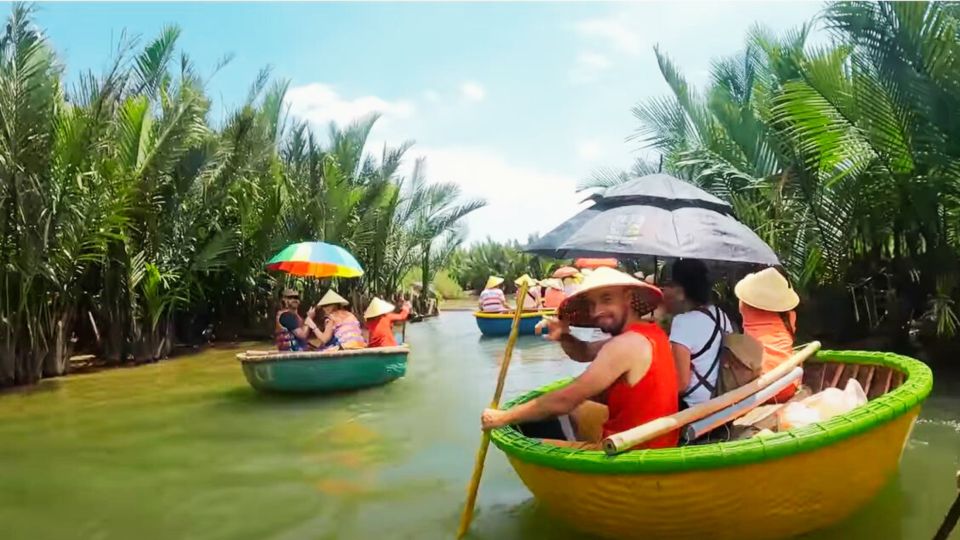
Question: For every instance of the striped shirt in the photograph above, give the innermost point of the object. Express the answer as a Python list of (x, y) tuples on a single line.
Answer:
[(347, 333), (532, 300), (493, 300)]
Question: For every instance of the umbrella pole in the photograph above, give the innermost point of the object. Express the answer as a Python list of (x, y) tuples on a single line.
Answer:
[(467, 515)]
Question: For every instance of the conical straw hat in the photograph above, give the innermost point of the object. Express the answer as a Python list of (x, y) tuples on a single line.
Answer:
[(767, 290), (492, 282), (575, 309), (565, 272), (526, 279), (552, 283), (377, 308), (332, 298)]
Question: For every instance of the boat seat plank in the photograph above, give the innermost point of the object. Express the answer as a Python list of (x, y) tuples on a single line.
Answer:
[(836, 376)]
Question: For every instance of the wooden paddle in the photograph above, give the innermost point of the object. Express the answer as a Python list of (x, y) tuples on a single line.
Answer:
[(467, 515), (953, 515), (625, 440)]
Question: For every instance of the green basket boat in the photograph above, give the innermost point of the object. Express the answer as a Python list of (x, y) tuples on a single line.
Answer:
[(790, 483), (321, 372)]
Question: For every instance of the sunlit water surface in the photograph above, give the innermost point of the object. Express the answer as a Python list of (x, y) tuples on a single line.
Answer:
[(186, 449)]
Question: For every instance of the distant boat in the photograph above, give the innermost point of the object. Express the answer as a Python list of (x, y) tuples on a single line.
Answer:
[(320, 372), (498, 324)]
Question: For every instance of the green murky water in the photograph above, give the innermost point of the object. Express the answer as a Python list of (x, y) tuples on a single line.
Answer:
[(186, 449)]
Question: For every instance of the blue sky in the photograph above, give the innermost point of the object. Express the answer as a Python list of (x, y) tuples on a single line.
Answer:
[(514, 102)]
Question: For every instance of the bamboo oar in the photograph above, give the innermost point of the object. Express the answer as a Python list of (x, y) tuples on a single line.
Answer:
[(467, 515), (953, 515), (625, 440)]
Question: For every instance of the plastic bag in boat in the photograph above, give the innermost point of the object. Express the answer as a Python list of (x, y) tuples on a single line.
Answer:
[(822, 406)]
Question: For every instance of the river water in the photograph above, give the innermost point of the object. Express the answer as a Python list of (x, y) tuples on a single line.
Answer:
[(186, 449)]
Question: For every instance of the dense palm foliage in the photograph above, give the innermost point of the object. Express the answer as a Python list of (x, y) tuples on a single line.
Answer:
[(124, 212), (845, 157), (471, 266)]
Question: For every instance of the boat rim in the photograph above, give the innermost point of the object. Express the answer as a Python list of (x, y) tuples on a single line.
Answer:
[(523, 315), (880, 410), (320, 355)]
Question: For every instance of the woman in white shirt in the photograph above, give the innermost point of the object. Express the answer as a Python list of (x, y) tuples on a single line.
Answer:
[(696, 332)]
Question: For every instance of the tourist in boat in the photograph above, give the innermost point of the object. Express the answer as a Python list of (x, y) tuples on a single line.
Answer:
[(767, 304), (696, 330), (633, 371), (553, 293), (492, 299), (380, 317), (341, 329), (570, 284), (532, 301), (291, 331)]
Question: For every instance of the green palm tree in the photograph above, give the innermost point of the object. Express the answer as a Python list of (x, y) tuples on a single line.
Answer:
[(437, 228), (817, 148), (124, 210)]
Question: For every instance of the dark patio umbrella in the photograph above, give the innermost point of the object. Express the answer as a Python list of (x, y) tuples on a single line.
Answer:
[(656, 216)]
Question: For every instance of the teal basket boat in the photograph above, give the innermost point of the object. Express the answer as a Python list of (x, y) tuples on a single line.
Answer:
[(322, 372), (498, 324)]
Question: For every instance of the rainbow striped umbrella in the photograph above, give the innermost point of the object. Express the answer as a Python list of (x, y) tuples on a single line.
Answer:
[(316, 259)]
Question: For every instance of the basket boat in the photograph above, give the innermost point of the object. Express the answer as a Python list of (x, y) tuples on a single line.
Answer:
[(318, 372), (498, 324), (779, 486)]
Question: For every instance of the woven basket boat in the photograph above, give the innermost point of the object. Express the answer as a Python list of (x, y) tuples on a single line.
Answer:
[(759, 488), (318, 372), (498, 324)]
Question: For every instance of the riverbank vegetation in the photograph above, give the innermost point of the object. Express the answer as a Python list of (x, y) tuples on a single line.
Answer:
[(841, 153), (471, 266), (127, 213)]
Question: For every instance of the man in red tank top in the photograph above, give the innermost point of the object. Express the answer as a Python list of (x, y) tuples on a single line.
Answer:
[(633, 372)]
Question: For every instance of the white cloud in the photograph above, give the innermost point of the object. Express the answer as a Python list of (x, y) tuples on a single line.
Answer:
[(431, 95), (473, 91), (588, 66), (320, 104), (520, 199), (613, 31), (589, 150)]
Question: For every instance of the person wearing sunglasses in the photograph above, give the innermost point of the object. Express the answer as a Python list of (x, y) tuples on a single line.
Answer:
[(291, 331)]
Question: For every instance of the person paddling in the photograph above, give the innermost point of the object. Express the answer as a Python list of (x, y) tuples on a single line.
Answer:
[(632, 372), (380, 317)]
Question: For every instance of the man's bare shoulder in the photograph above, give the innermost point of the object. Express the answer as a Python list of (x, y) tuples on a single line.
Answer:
[(626, 345)]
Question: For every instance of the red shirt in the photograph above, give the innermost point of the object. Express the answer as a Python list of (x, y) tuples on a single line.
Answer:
[(653, 396), (381, 328)]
